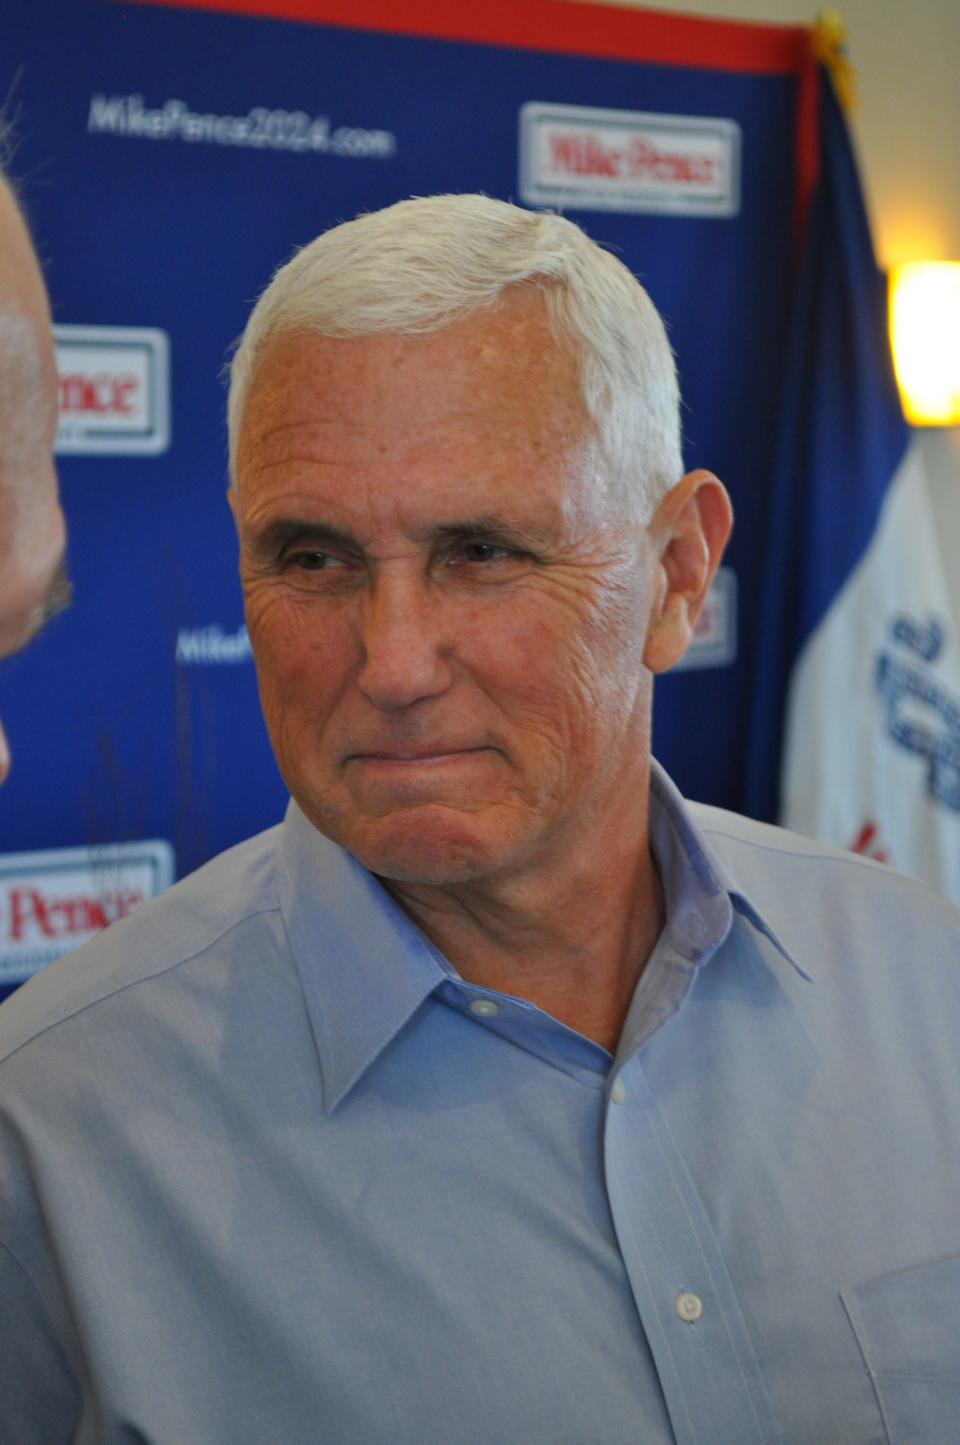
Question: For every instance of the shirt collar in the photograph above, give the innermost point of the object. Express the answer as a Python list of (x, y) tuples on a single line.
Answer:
[(365, 968), (701, 895)]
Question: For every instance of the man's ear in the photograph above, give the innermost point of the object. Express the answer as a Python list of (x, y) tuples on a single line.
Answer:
[(688, 533)]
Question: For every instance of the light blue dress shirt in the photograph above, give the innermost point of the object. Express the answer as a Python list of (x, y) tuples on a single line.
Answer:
[(271, 1172)]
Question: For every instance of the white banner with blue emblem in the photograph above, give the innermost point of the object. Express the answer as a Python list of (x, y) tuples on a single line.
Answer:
[(872, 757)]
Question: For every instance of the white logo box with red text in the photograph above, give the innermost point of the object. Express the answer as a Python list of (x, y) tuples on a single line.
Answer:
[(114, 390), (585, 158), (54, 899)]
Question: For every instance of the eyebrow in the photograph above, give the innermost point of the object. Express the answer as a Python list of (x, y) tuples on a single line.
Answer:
[(490, 525), (273, 539)]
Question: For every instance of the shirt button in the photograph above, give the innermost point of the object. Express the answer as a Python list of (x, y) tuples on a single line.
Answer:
[(689, 1307), (485, 1008), (618, 1093)]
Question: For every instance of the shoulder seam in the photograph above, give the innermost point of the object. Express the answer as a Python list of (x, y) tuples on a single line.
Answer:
[(822, 853), (134, 982)]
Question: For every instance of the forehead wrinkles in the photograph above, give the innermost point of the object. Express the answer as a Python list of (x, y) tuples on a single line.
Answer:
[(487, 408), (495, 374)]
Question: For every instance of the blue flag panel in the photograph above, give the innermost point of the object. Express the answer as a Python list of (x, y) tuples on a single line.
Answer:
[(840, 438)]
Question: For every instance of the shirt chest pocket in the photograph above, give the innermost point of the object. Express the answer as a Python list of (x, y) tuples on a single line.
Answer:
[(908, 1328)]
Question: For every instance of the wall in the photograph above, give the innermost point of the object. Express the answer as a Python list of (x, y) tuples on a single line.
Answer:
[(907, 121)]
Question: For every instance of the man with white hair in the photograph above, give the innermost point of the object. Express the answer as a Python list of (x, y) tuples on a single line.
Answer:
[(498, 1095), (32, 584)]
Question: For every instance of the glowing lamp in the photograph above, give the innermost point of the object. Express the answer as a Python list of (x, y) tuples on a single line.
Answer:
[(925, 333)]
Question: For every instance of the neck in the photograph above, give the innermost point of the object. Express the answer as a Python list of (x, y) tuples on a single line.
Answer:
[(572, 937)]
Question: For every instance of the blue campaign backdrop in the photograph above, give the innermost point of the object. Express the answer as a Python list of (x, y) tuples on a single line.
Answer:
[(135, 715)]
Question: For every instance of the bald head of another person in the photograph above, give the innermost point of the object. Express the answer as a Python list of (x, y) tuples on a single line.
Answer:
[(32, 533)]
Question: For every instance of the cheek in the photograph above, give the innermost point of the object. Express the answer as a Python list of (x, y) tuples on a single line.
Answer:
[(301, 658), (559, 671), (595, 649), (614, 638)]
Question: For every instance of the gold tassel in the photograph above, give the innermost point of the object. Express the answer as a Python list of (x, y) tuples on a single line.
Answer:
[(828, 37)]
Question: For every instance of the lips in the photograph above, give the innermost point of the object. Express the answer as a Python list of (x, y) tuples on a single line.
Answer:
[(434, 752)]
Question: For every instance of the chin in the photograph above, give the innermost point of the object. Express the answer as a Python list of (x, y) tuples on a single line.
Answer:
[(427, 846)]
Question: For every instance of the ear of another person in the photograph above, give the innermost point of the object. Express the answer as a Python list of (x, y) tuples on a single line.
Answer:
[(688, 534)]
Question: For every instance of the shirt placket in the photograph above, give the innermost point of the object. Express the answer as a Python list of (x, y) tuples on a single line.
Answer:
[(709, 1374)]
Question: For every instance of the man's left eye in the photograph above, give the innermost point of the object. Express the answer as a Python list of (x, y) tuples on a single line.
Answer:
[(482, 552)]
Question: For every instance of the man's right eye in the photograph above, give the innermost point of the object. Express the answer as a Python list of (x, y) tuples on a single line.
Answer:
[(313, 561)]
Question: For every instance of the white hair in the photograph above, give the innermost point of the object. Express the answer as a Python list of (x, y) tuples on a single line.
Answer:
[(421, 264)]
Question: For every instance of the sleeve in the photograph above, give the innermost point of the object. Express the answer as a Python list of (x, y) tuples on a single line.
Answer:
[(39, 1398)]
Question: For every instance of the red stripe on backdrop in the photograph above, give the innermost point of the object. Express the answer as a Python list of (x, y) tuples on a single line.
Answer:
[(806, 140), (607, 31)]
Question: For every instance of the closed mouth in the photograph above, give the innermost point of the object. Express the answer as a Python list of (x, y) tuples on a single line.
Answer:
[(433, 754)]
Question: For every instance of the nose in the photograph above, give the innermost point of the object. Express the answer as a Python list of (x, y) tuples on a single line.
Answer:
[(4, 755), (406, 654)]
